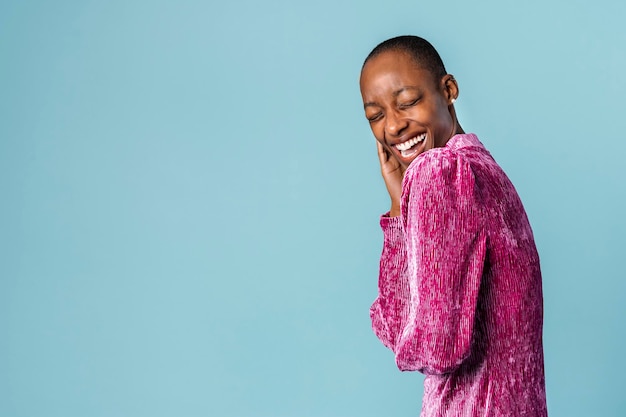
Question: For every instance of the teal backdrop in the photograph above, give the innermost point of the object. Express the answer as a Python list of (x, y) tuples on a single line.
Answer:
[(190, 199)]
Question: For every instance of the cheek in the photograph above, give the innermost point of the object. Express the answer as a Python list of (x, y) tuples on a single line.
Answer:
[(440, 119)]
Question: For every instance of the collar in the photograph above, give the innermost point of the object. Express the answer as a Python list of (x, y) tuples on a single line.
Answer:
[(464, 140)]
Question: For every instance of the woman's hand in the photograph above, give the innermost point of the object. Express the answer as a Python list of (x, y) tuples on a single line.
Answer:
[(393, 173)]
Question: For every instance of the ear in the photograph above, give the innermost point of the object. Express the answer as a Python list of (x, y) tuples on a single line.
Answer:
[(450, 88)]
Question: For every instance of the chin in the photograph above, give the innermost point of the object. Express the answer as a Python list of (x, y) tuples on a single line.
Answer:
[(405, 160)]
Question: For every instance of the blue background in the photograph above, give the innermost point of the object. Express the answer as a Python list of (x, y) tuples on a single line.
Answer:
[(190, 199)]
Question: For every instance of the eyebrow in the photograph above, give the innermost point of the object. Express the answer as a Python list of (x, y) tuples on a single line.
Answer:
[(394, 94)]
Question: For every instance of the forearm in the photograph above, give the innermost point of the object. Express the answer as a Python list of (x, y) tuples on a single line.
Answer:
[(390, 309)]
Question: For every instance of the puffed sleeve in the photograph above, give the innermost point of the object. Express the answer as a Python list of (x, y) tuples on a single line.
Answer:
[(445, 243), (390, 309)]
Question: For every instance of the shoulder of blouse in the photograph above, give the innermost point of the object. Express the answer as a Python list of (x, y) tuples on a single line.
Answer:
[(445, 157), (437, 159)]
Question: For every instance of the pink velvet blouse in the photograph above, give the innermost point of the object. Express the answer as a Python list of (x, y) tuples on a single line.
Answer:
[(460, 295)]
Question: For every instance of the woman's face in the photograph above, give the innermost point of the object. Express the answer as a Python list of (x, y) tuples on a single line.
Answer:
[(408, 110)]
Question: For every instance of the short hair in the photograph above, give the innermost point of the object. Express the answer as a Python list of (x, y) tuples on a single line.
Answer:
[(423, 53)]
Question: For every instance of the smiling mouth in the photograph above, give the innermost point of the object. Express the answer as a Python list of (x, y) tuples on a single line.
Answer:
[(409, 147)]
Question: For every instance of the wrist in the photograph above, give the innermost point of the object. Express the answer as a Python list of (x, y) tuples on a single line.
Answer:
[(395, 210)]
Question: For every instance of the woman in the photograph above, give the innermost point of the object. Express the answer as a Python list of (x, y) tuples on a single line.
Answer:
[(460, 295)]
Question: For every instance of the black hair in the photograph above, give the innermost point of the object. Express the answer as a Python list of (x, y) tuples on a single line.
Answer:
[(423, 53)]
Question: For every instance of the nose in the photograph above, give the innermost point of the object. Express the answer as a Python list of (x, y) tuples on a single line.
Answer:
[(394, 125)]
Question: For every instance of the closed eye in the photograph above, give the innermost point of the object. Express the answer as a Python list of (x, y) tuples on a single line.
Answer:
[(374, 117), (408, 104)]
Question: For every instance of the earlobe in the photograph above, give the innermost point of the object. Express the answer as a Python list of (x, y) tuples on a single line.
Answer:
[(452, 88)]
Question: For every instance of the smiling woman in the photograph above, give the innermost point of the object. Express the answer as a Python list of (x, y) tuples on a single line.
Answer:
[(397, 90), (460, 295)]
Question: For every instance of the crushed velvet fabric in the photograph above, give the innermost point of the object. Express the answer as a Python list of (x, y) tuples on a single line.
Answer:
[(460, 295)]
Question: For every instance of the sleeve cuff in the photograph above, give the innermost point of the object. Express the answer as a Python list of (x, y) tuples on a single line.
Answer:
[(387, 222)]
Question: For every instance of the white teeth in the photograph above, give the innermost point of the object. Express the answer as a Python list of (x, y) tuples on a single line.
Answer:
[(410, 143)]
